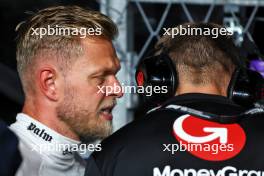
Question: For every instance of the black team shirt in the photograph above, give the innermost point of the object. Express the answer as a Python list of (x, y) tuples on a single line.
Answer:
[(151, 145)]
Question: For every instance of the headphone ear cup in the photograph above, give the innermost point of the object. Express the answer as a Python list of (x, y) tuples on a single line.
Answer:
[(157, 71), (245, 87), (232, 83)]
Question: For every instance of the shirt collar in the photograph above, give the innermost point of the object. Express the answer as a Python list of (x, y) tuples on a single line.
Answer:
[(44, 138), (188, 98)]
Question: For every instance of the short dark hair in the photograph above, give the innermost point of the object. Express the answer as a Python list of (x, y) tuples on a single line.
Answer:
[(202, 58)]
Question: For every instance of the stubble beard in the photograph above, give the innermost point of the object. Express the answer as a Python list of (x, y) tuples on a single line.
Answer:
[(89, 126)]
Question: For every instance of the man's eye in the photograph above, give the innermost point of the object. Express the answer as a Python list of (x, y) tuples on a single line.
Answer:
[(101, 79)]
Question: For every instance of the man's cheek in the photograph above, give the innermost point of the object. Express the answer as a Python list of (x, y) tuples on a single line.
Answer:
[(100, 90)]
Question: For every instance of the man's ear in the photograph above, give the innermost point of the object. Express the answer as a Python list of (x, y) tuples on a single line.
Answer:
[(48, 83)]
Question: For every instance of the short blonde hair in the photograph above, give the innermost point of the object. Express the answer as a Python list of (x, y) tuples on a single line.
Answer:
[(30, 47)]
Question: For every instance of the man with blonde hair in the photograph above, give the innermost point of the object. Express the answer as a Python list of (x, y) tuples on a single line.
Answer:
[(64, 54)]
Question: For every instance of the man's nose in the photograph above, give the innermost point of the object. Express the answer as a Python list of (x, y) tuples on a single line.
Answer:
[(121, 93), (117, 89)]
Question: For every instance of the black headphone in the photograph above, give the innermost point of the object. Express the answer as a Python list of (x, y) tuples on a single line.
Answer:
[(245, 87)]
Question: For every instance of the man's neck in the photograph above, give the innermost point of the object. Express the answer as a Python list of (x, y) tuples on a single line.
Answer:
[(207, 89)]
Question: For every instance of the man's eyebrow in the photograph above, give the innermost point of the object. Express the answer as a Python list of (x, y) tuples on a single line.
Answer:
[(105, 71)]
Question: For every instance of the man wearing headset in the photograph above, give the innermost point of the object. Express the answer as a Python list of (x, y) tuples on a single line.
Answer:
[(178, 139)]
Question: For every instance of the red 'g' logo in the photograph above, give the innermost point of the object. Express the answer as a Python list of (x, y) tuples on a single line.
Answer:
[(209, 140)]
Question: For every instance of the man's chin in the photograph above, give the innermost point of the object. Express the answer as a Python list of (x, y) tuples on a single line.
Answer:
[(98, 133), (92, 139)]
